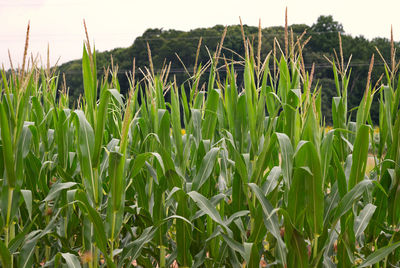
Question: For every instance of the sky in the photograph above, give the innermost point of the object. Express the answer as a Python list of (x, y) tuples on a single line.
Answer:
[(59, 23)]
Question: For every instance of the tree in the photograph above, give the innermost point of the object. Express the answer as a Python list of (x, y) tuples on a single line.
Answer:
[(327, 24)]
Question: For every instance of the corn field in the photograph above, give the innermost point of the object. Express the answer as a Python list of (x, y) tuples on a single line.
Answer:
[(220, 175)]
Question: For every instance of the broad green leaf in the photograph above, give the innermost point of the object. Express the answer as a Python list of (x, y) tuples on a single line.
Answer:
[(133, 249), (298, 244), (353, 195), (287, 157), (95, 219), (362, 220), (206, 168), (27, 194), (210, 114), (117, 180), (25, 258), (360, 155), (164, 129), (272, 180), (101, 118), (236, 246), (176, 123), (140, 160), (184, 235), (379, 255), (5, 255), (85, 153), (8, 152), (71, 260), (251, 101), (297, 198), (205, 205), (22, 150), (307, 156), (89, 73), (56, 188), (326, 153), (236, 215), (270, 221)]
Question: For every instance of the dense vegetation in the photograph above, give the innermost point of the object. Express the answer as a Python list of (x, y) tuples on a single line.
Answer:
[(254, 178), (165, 44)]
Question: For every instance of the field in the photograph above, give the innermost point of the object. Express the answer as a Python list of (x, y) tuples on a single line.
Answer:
[(199, 175)]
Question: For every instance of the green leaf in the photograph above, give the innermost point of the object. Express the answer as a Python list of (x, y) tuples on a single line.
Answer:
[(360, 156), (133, 249), (287, 157), (176, 123), (25, 258), (117, 180), (184, 235), (141, 159), (326, 153), (210, 114), (71, 260), (362, 220), (56, 188), (297, 198), (89, 73), (27, 194), (272, 180), (95, 219), (251, 96), (270, 221), (206, 168), (299, 247), (5, 255), (236, 246), (8, 152), (101, 118), (307, 156), (347, 201), (22, 150), (205, 205), (85, 153), (379, 254)]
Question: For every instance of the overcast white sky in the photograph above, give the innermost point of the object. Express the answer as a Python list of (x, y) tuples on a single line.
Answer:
[(116, 23)]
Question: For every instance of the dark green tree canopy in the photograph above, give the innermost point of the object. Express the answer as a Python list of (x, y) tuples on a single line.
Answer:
[(327, 24)]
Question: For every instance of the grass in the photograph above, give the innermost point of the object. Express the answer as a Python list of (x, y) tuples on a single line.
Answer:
[(219, 176)]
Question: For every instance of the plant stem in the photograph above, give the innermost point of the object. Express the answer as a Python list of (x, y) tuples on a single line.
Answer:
[(95, 257), (96, 187), (162, 256), (9, 205), (315, 253), (112, 235)]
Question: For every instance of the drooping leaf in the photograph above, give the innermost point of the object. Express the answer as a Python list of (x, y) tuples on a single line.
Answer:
[(362, 220), (270, 221), (379, 255), (71, 260), (56, 188), (205, 205)]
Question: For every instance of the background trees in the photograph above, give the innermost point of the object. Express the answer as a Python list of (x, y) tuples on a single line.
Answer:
[(165, 44)]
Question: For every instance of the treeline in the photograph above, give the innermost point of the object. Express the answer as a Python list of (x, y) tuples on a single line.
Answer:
[(165, 45)]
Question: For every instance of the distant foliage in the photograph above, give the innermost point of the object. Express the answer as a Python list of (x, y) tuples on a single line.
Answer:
[(165, 43)]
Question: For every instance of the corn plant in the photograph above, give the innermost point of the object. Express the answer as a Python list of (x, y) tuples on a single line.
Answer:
[(221, 175)]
